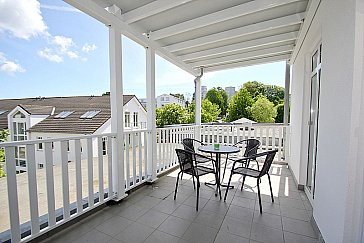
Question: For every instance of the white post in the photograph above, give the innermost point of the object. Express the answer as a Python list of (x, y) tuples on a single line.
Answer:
[(151, 116), (286, 93), (198, 102), (117, 118)]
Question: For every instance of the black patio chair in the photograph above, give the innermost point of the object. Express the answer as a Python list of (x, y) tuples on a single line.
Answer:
[(189, 145), (239, 167), (188, 163)]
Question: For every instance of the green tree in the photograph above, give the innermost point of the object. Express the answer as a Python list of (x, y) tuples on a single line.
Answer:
[(209, 112), (274, 93), (263, 110), (255, 88), (3, 138), (219, 97), (239, 105), (280, 113), (171, 114), (179, 96)]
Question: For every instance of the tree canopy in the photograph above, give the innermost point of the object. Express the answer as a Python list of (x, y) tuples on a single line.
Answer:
[(209, 112), (239, 105), (171, 114), (179, 96), (273, 93), (280, 113), (219, 97), (263, 110)]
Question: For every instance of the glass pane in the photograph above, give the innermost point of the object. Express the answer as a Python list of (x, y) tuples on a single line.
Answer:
[(314, 60), (22, 152), (14, 128), (21, 128)]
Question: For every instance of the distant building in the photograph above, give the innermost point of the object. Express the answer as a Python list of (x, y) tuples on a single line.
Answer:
[(203, 91), (230, 91), (55, 117), (166, 99)]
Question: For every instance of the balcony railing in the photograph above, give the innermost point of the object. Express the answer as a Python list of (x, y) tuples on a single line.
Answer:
[(67, 177)]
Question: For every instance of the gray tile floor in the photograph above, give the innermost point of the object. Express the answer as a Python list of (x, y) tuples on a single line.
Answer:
[(151, 215)]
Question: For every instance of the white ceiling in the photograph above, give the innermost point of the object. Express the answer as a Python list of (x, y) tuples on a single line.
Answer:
[(213, 34)]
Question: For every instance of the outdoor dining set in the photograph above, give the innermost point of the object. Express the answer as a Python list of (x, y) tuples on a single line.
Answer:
[(197, 159)]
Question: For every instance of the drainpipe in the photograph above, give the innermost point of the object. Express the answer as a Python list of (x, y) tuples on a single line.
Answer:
[(198, 101)]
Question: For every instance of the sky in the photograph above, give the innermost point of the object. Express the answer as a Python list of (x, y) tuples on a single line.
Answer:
[(56, 50)]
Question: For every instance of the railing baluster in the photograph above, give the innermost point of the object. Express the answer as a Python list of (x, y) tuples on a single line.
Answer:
[(50, 183), (78, 175), (127, 158), (12, 193), (101, 170), (32, 188), (65, 181), (109, 165), (280, 144), (159, 150), (140, 156), (90, 168), (134, 158), (145, 154)]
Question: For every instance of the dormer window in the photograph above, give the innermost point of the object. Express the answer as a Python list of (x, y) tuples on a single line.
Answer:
[(64, 114), (19, 115), (89, 114)]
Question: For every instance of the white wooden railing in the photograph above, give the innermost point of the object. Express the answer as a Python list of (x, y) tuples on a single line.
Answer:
[(66, 177)]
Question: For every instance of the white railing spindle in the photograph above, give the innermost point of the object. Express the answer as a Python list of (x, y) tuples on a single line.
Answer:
[(90, 173), (65, 181), (50, 183)]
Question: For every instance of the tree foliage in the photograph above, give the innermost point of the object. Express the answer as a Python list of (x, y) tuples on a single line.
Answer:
[(209, 112), (179, 96), (239, 105), (254, 88), (219, 97), (171, 114), (263, 110), (273, 93), (3, 137), (280, 113)]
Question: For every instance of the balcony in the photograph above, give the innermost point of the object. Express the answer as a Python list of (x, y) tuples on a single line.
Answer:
[(78, 175)]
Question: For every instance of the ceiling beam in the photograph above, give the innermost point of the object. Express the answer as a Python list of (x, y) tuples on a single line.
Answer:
[(150, 9), (311, 12), (219, 16), (241, 31), (91, 8), (275, 39), (244, 56), (248, 63)]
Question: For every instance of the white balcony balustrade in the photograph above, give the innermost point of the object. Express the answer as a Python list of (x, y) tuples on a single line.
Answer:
[(67, 177)]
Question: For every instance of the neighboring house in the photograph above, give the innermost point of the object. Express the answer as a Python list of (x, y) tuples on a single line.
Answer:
[(55, 117), (203, 91), (230, 91), (244, 121), (166, 99)]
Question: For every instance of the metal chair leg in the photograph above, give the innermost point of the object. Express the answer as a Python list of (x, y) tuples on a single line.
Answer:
[(227, 188), (175, 191), (193, 181), (260, 200), (223, 174), (242, 184), (198, 193), (270, 186)]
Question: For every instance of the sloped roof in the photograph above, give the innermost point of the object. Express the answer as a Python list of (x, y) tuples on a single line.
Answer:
[(71, 124), (212, 34)]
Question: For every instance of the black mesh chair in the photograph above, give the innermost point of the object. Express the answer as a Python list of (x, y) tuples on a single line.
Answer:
[(239, 167), (189, 145), (188, 163)]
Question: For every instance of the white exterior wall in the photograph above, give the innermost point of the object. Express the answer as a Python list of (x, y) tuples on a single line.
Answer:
[(134, 106), (334, 26), (34, 119), (171, 100)]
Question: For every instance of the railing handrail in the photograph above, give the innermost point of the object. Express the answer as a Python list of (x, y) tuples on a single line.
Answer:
[(49, 140)]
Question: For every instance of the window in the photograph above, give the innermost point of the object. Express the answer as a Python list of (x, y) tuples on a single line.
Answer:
[(127, 119), (64, 114), (19, 115), (162, 98), (19, 131), (104, 146), (135, 118), (167, 98), (89, 114), (40, 145), (2, 111), (20, 156)]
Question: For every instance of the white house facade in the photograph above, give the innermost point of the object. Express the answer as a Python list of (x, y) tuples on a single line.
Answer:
[(166, 99)]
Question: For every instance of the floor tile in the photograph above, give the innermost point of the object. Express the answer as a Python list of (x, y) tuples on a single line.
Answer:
[(269, 220), (148, 202), (114, 225), (191, 201), (294, 238), (186, 212), (220, 207), (298, 227), (266, 234), (199, 233), (271, 208), (94, 236), (161, 237), (236, 227), (294, 203), (152, 218), (210, 218), (133, 212), (135, 233), (174, 226), (166, 206), (160, 193), (243, 202), (241, 213), (295, 213), (225, 237)]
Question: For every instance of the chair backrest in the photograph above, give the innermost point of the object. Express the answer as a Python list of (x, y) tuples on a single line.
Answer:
[(185, 159), (252, 146), (268, 161), (188, 144)]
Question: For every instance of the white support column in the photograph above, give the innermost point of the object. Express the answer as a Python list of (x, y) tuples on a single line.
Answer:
[(151, 116), (198, 102), (286, 93), (117, 121)]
